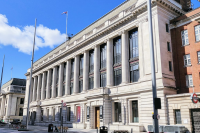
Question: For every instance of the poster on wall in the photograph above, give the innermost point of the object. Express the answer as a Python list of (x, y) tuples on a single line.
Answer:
[(88, 112), (78, 114), (101, 112)]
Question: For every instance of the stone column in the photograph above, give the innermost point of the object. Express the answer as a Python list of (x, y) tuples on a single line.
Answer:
[(50, 114), (68, 73), (38, 114), (124, 109), (60, 82), (125, 62), (97, 67), (57, 113), (86, 71), (44, 80), (48, 84), (34, 88), (109, 62), (9, 103), (76, 74), (39, 87), (82, 113), (54, 82), (3, 105)]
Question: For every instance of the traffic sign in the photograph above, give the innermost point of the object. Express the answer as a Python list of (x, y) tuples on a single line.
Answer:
[(194, 98)]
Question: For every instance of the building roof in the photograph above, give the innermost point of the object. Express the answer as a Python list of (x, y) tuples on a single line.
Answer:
[(187, 15), (15, 81)]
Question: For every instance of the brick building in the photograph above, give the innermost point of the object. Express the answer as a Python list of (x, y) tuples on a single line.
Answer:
[(185, 39)]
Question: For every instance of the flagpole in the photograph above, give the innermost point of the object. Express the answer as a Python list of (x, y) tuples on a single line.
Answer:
[(66, 25), (2, 73), (30, 77)]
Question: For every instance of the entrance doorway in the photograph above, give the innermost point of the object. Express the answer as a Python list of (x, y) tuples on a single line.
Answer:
[(195, 115), (97, 119)]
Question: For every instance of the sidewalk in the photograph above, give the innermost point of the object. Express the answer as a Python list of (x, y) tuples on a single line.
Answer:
[(40, 129)]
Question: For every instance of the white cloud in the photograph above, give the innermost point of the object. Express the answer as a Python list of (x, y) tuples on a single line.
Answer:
[(22, 38)]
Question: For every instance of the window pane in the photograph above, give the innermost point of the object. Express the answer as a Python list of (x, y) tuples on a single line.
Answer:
[(197, 32), (178, 117), (135, 117), (198, 55), (117, 112), (133, 42), (134, 73), (184, 35), (117, 50)]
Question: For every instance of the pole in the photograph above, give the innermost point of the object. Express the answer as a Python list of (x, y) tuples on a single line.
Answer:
[(66, 25), (30, 77), (152, 66), (2, 73), (61, 124)]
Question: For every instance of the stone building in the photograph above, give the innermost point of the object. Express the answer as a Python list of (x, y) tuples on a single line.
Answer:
[(185, 34), (103, 73), (12, 99)]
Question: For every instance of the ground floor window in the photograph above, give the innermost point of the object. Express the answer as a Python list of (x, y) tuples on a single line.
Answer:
[(135, 117), (177, 116), (78, 113), (118, 117), (68, 113)]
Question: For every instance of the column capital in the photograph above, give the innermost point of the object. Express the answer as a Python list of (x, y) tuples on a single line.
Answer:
[(121, 32), (106, 40)]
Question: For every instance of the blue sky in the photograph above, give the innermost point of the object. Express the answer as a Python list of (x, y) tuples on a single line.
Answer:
[(17, 18)]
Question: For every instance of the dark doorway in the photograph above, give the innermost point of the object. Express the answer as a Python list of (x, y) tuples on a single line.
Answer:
[(97, 119), (195, 116)]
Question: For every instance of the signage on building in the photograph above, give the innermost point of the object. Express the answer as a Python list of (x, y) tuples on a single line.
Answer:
[(101, 112), (78, 114), (88, 112), (194, 98)]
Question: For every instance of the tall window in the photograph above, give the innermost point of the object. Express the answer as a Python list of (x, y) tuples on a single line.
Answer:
[(198, 56), (187, 60), (189, 80), (57, 78), (91, 83), (91, 65), (71, 88), (64, 79), (134, 72), (117, 50), (72, 68), (177, 116), (81, 65), (21, 100), (184, 35), (45, 89), (80, 85), (197, 32), (167, 27), (170, 66), (118, 115), (51, 83), (103, 56), (133, 41), (20, 111), (103, 80), (135, 117), (168, 46), (117, 76)]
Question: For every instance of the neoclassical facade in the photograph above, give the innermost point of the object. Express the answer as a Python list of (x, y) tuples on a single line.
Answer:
[(12, 100), (103, 73)]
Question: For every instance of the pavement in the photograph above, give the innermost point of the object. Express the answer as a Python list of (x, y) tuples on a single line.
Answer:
[(40, 129)]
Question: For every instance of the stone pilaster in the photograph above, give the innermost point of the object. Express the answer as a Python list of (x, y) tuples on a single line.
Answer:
[(39, 87), (124, 108), (85, 71), (109, 62), (60, 82), (54, 82), (3, 105), (34, 88), (57, 113), (44, 114), (97, 67), (50, 114), (76, 74), (125, 62), (9, 104), (68, 73), (107, 111), (44, 80)]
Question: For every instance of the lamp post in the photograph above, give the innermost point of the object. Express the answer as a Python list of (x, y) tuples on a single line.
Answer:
[(153, 75)]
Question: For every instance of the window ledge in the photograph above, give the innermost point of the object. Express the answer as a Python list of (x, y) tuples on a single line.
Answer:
[(187, 66), (117, 64), (197, 41), (185, 45)]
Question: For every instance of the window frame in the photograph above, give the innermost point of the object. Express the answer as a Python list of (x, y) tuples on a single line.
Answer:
[(170, 66), (187, 60), (167, 27), (198, 34), (168, 47), (131, 71), (184, 37), (103, 78), (91, 61), (175, 116), (116, 79), (118, 113), (81, 65), (189, 80), (103, 56), (198, 57), (117, 50), (91, 84), (133, 48), (131, 108)]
